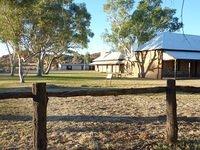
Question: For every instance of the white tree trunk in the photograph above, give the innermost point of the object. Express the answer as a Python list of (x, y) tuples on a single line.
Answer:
[(40, 64), (12, 69), (12, 60), (21, 73), (39, 68), (49, 65)]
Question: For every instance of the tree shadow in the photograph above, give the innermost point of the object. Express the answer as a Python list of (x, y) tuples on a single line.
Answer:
[(100, 119), (149, 62), (190, 144), (10, 117), (109, 119), (91, 123)]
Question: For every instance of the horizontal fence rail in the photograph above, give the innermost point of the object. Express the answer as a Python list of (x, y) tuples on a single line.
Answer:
[(12, 95), (106, 92), (98, 92)]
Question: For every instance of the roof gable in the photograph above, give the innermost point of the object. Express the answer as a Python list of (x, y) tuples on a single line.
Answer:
[(110, 56), (101, 57)]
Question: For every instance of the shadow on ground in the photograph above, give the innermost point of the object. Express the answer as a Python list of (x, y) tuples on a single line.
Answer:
[(92, 118)]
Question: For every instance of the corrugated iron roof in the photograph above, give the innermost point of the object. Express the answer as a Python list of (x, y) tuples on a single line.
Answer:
[(110, 56), (172, 41), (171, 55), (107, 63)]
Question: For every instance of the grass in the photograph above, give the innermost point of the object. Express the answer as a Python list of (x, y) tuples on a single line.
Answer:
[(85, 79), (69, 78)]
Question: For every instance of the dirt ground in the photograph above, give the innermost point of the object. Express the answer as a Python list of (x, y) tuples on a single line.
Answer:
[(109, 122)]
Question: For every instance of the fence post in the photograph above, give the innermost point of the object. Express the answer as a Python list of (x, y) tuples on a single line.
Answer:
[(171, 126), (39, 117)]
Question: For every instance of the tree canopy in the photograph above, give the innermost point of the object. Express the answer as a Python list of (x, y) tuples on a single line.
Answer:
[(140, 24), (44, 27)]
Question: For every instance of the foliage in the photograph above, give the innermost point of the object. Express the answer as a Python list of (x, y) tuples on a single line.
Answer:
[(118, 13), (87, 58), (44, 27), (77, 58), (150, 18), (11, 22), (57, 27), (74, 57), (13, 16), (94, 56), (129, 25)]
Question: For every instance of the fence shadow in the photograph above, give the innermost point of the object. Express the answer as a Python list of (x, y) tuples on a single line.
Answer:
[(100, 119), (10, 117), (110, 119)]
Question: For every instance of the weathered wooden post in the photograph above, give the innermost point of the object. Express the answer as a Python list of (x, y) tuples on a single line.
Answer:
[(39, 117), (171, 126)]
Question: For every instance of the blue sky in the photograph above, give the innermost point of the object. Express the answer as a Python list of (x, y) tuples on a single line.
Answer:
[(191, 20)]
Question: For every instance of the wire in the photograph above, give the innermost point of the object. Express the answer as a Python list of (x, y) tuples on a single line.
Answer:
[(182, 9)]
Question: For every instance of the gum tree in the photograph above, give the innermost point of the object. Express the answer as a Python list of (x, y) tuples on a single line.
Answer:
[(57, 27), (132, 27), (12, 28), (41, 28), (129, 25)]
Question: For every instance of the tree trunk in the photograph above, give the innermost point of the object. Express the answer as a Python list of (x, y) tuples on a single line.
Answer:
[(12, 70), (21, 74), (12, 60), (142, 73), (40, 64), (12, 64), (39, 68), (49, 65)]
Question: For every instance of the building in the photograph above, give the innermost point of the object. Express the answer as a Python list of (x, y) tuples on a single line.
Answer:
[(111, 62), (75, 67), (168, 55)]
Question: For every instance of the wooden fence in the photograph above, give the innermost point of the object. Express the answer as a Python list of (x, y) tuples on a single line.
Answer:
[(40, 100)]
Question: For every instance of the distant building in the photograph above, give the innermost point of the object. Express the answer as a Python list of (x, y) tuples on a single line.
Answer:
[(168, 55), (109, 62), (75, 67)]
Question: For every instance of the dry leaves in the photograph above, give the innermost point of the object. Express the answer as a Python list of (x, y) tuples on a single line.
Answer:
[(122, 122)]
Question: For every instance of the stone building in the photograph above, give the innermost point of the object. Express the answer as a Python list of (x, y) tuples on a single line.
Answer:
[(110, 62), (168, 55)]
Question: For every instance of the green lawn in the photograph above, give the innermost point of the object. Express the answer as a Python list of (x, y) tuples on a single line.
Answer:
[(68, 79), (85, 79)]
